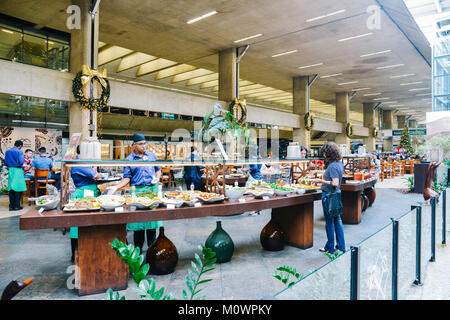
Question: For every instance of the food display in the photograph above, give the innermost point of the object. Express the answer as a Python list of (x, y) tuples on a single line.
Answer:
[(110, 202), (84, 204), (174, 201), (259, 193), (144, 202), (234, 193), (47, 202), (210, 197), (281, 190)]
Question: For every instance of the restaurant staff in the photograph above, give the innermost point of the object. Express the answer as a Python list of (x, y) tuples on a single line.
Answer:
[(84, 178), (192, 174), (16, 181), (144, 179)]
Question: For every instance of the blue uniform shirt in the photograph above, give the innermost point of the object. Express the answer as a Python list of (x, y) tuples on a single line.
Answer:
[(334, 170), (141, 176), (193, 173), (14, 158), (255, 171), (83, 176), (43, 163)]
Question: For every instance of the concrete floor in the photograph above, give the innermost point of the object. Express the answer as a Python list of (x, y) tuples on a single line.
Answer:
[(45, 254)]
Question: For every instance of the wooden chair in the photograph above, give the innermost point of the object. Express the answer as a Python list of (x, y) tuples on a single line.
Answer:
[(397, 168), (39, 182), (166, 177), (409, 167)]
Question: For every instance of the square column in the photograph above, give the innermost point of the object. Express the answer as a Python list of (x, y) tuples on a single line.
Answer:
[(369, 121), (227, 75), (342, 116), (300, 94), (388, 119), (80, 53), (401, 121)]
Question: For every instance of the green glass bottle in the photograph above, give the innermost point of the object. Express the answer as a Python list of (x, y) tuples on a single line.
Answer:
[(221, 243)]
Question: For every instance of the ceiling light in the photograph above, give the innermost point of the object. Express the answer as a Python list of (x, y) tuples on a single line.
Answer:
[(7, 31), (248, 38), (355, 37), (50, 42), (311, 65), (361, 89), (391, 66), (410, 83), (402, 75), (375, 53), (331, 75), (390, 102), (326, 15), (284, 53), (418, 89), (206, 15), (423, 94), (372, 94), (382, 99), (344, 83)]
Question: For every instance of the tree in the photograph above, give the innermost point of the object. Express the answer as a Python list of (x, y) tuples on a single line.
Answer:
[(405, 141)]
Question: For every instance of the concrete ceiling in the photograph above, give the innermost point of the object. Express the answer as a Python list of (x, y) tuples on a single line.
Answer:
[(159, 28)]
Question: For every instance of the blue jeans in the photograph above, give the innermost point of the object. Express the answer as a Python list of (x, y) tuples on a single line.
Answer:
[(332, 226)]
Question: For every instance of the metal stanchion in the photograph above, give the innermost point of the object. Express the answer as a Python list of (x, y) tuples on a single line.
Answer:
[(395, 224), (417, 281), (444, 218), (433, 230), (354, 273)]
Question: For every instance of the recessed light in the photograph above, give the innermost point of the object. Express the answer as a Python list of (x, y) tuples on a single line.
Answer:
[(344, 83), (361, 89), (206, 15), (410, 83), (311, 65), (284, 53), (403, 75), (419, 89), (355, 37), (372, 94), (374, 53), (325, 15), (248, 38), (423, 94), (331, 75), (382, 99), (391, 66), (7, 31), (390, 102)]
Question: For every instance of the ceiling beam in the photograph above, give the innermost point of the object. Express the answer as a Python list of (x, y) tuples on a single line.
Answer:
[(134, 60), (202, 79), (190, 75), (257, 90), (209, 84), (173, 71), (109, 53), (154, 66)]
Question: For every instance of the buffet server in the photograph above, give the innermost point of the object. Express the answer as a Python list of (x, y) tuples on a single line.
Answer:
[(84, 179), (144, 179)]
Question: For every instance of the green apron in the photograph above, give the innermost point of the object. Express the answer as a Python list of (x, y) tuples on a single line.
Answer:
[(79, 194), (149, 224), (16, 180)]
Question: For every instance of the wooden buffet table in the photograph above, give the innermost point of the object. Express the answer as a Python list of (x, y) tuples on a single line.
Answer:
[(99, 268), (351, 194)]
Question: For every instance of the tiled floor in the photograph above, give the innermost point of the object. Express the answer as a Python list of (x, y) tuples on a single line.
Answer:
[(45, 254)]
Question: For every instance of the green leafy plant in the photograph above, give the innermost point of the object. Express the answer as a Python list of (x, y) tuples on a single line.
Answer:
[(4, 190), (409, 183), (146, 288), (284, 273), (199, 268), (334, 255)]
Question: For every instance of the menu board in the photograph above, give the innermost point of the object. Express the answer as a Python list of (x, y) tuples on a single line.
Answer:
[(71, 151)]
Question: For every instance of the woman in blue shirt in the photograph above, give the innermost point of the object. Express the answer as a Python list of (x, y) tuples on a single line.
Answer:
[(84, 178), (16, 181), (192, 174), (144, 179), (331, 182)]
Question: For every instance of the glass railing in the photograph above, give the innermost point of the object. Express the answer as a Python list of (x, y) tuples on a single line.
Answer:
[(388, 264)]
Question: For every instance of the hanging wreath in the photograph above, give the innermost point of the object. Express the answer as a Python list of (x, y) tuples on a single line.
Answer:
[(238, 109), (309, 121), (349, 130), (375, 132), (85, 78)]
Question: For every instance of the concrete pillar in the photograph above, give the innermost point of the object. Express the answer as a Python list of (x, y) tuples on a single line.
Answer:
[(342, 116), (80, 53), (401, 121), (301, 107), (387, 119), (412, 124), (388, 144), (227, 75), (369, 121)]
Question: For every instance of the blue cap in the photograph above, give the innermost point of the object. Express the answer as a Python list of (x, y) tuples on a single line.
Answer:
[(138, 137)]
